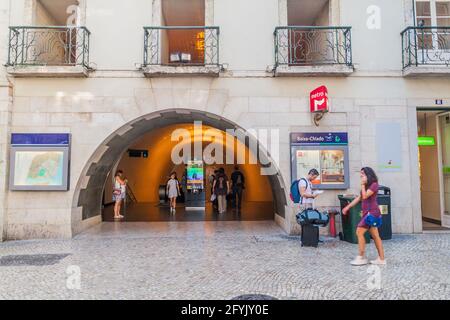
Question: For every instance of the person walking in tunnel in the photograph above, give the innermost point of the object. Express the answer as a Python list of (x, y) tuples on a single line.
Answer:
[(371, 216), (213, 179), (173, 191), (119, 193), (237, 187), (221, 188)]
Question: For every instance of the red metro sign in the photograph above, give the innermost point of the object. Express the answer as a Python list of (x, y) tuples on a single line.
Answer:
[(319, 100)]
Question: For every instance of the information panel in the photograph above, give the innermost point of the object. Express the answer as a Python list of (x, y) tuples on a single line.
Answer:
[(326, 152), (195, 175), (39, 162)]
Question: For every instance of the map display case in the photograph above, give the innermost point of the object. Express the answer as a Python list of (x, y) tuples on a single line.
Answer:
[(326, 152), (39, 162)]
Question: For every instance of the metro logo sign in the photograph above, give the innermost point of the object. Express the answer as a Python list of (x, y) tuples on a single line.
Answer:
[(319, 100)]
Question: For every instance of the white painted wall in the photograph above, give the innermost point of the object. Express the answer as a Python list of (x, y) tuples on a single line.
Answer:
[(246, 32), (117, 32), (93, 108), (375, 49)]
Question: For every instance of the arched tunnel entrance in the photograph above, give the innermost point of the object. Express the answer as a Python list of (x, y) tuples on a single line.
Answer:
[(264, 195)]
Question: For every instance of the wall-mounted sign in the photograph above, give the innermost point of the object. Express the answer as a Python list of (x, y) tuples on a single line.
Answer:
[(326, 152), (39, 162), (426, 141), (137, 153), (388, 142), (319, 138), (318, 100)]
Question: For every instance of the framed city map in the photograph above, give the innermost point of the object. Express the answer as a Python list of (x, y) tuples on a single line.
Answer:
[(39, 167)]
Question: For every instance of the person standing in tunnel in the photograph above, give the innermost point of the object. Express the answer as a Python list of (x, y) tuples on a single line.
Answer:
[(173, 191), (221, 188), (119, 193), (237, 186)]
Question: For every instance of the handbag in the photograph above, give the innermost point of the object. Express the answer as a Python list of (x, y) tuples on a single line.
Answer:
[(213, 197), (373, 221), (312, 217), (117, 192)]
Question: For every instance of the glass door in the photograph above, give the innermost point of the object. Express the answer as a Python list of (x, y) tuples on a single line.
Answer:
[(443, 125)]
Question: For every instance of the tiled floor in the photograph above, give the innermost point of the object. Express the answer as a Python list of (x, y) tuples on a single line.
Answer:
[(251, 211), (218, 260)]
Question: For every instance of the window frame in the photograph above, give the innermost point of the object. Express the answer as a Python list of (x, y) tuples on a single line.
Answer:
[(433, 11)]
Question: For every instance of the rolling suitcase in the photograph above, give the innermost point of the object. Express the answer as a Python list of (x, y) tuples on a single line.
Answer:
[(310, 235)]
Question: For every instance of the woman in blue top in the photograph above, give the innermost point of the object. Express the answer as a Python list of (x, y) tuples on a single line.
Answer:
[(368, 196)]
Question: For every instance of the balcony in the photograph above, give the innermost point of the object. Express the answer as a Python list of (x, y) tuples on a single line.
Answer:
[(48, 51), (426, 51), (313, 51), (181, 51)]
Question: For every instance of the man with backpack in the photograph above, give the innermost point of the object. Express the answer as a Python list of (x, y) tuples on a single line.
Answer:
[(237, 186), (301, 190)]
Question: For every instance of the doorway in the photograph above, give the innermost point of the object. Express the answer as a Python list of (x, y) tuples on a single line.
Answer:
[(147, 164), (434, 167)]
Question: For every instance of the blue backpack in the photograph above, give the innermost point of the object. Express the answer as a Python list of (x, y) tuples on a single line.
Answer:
[(296, 197)]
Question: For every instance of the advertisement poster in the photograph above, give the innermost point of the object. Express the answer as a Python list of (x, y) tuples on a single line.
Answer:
[(39, 168), (307, 159), (327, 152), (195, 175), (329, 163), (389, 147), (332, 166)]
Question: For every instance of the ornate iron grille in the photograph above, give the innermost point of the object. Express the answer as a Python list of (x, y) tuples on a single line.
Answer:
[(55, 46), (181, 45), (299, 45), (426, 46)]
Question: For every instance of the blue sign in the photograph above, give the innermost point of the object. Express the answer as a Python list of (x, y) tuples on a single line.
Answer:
[(319, 138), (40, 139)]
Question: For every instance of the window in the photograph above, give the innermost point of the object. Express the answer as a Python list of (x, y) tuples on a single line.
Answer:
[(433, 13)]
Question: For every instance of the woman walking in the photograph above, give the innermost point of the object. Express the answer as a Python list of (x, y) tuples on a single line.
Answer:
[(371, 213), (119, 193), (221, 187), (173, 191)]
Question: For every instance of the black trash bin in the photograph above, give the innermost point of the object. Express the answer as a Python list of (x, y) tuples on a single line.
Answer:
[(384, 202)]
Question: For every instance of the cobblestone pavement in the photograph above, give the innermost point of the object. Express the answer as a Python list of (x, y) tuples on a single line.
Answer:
[(218, 260)]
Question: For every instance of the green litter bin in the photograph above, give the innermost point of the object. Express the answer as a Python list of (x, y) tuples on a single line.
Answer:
[(351, 220)]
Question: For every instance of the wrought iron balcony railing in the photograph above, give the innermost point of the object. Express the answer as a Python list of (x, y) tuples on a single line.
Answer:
[(426, 46), (315, 45), (181, 45), (48, 46)]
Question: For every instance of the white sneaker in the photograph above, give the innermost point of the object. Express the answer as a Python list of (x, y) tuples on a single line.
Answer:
[(378, 261), (359, 261)]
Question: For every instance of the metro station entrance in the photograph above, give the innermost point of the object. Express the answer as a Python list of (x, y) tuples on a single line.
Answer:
[(150, 159)]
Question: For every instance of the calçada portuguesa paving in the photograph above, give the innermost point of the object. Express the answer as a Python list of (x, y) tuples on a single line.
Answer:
[(217, 260)]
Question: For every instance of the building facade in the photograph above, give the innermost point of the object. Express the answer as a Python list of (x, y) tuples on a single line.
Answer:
[(109, 72)]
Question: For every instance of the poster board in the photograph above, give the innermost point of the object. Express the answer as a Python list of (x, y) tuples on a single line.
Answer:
[(326, 152), (389, 147), (39, 162), (195, 175)]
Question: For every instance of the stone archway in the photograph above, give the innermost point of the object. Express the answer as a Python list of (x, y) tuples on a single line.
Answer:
[(88, 194)]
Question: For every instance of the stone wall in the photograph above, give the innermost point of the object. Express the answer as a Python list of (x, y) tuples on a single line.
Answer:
[(95, 108)]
